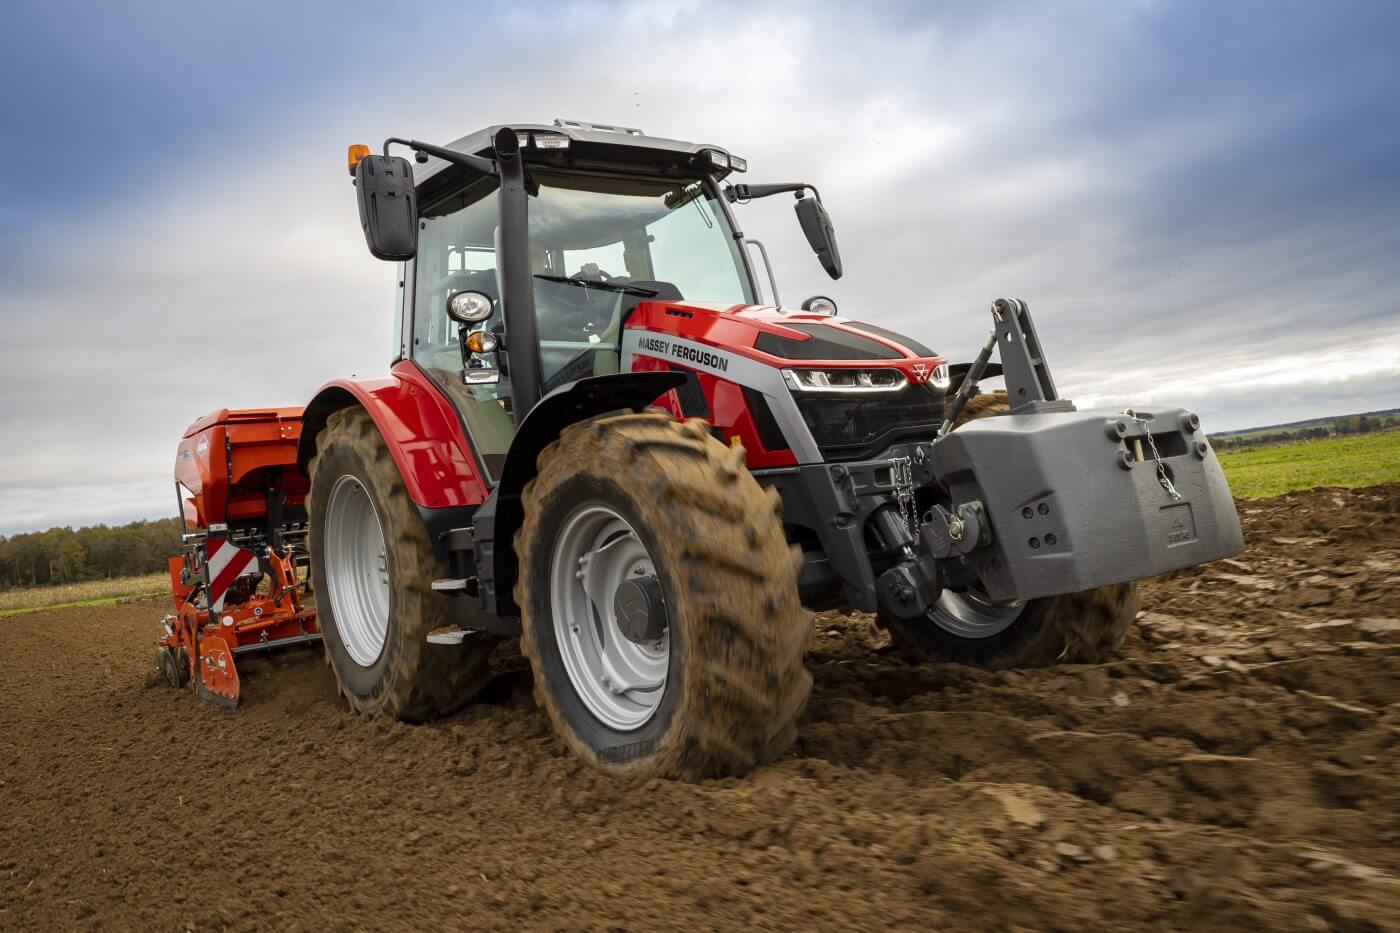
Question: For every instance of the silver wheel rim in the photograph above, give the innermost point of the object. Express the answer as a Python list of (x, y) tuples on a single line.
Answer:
[(621, 682), (971, 615), (357, 572)]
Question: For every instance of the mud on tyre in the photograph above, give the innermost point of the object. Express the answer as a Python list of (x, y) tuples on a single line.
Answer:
[(1086, 627), (373, 566), (659, 601)]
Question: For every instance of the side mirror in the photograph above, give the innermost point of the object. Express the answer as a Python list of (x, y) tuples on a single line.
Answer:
[(388, 206), (816, 224)]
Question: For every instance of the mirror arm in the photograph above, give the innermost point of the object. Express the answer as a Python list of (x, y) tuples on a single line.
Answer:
[(476, 163), (739, 193)]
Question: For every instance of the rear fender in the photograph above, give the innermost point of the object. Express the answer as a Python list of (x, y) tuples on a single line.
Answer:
[(421, 429), (503, 513)]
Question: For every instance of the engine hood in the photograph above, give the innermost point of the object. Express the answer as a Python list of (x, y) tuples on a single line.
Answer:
[(787, 339)]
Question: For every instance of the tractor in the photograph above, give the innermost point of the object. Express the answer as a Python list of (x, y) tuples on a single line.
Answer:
[(599, 435)]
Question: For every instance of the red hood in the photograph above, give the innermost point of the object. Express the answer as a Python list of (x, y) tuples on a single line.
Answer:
[(787, 339)]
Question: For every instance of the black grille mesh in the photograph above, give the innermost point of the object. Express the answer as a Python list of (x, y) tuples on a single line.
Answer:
[(859, 427), (692, 397)]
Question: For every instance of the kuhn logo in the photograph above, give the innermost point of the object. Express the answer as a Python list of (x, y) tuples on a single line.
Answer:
[(920, 372), (202, 447)]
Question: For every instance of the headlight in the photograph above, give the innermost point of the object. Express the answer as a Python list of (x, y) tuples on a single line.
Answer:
[(939, 377), (845, 381), (469, 307)]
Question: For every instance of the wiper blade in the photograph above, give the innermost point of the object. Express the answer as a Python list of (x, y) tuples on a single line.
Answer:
[(606, 286)]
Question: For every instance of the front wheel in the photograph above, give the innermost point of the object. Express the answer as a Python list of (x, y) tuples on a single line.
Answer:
[(658, 600), (1076, 628)]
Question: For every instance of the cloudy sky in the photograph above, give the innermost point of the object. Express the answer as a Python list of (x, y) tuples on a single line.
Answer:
[(1201, 201)]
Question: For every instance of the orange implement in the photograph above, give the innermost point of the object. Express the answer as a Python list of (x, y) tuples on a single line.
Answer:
[(218, 678), (235, 587)]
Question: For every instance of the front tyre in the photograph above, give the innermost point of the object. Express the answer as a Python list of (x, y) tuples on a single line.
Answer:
[(374, 565), (658, 600), (1075, 628)]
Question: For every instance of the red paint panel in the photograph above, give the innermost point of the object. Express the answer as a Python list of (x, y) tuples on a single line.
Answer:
[(736, 328), (728, 410), (424, 436)]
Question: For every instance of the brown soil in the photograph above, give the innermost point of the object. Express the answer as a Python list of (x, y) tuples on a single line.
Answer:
[(1237, 768)]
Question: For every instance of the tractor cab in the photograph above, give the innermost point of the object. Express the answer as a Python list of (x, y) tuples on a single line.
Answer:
[(598, 246), (527, 250)]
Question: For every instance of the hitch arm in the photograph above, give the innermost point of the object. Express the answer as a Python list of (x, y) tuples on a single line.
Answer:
[(1028, 382)]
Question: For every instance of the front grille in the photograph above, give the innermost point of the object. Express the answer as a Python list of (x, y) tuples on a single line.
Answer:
[(859, 427)]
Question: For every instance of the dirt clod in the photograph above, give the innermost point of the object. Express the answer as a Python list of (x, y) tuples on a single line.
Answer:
[(1257, 789)]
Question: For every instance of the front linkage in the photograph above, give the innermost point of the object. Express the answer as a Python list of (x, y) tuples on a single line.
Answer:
[(1046, 500)]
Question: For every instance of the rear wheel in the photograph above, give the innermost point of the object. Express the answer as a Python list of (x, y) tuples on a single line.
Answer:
[(374, 566), (965, 626), (658, 601)]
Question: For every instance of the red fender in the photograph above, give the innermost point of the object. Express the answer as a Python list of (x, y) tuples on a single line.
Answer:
[(422, 430)]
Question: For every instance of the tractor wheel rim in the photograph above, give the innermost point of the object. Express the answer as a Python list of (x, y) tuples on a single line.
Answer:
[(357, 571), (620, 682), (969, 614)]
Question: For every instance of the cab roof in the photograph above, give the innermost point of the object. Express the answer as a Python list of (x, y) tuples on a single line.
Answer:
[(589, 143)]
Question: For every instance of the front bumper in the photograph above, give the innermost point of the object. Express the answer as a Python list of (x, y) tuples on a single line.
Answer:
[(1075, 500), (1071, 500)]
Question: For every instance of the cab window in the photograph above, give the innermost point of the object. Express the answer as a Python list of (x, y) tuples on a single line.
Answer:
[(457, 252)]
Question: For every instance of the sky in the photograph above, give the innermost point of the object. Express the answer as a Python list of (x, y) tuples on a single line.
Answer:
[(1199, 201)]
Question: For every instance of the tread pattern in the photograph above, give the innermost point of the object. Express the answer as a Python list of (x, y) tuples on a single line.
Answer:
[(422, 681), (734, 576)]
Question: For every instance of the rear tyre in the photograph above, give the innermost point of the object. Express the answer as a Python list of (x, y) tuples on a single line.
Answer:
[(1084, 628), (374, 565), (658, 600)]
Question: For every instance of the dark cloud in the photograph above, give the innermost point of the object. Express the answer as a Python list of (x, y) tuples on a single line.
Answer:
[(1184, 192)]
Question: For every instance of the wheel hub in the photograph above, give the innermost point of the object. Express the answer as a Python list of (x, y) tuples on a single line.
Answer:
[(970, 614), (640, 609), (609, 617)]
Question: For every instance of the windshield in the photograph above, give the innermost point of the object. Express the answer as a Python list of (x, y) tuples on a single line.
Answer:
[(637, 230), (601, 244)]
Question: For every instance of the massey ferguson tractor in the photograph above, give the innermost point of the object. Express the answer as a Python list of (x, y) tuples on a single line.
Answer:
[(597, 436)]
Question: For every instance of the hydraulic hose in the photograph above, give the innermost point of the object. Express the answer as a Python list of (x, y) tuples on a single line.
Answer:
[(969, 385)]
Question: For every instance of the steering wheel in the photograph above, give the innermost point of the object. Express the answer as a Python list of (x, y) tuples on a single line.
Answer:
[(593, 274)]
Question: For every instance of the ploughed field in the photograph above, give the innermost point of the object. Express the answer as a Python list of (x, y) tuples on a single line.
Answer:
[(1238, 767)]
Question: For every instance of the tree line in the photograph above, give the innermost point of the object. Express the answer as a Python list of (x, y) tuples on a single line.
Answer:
[(1349, 424), (62, 555)]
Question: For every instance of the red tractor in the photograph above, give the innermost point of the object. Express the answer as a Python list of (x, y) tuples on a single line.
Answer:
[(597, 436)]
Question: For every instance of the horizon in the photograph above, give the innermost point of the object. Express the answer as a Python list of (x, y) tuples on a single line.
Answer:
[(1199, 205), (174, 517)]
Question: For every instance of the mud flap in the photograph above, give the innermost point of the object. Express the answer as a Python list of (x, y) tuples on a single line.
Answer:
[(1081, 499), (218, 678)]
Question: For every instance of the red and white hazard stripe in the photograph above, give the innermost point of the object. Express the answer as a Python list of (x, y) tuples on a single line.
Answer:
[(224, 562)]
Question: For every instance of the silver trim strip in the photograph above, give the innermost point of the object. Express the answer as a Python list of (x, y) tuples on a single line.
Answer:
[(734, 368)]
